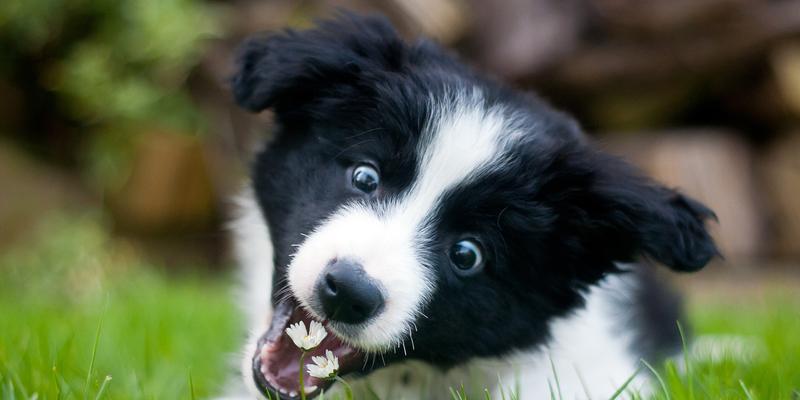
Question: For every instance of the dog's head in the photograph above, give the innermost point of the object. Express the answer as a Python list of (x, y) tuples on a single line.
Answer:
[(421, 211)]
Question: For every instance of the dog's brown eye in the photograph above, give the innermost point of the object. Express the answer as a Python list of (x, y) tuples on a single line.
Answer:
[(466, 256), (365, 178)]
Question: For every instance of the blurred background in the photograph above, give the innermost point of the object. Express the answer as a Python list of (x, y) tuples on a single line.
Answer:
[(120, 145), (122, 106)]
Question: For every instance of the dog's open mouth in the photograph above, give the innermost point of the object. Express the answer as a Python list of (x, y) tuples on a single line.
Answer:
[(276, 364)]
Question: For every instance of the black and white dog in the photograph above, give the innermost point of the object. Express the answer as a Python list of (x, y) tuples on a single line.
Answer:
[(444, 228)]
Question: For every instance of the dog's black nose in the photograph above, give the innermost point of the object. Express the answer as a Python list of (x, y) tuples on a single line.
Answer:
[(347, 294)]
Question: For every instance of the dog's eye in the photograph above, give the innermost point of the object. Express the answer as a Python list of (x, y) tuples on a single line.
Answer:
[(365, 178), (467, 256)]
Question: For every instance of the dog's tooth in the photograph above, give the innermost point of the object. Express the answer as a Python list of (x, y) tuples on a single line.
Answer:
[(282, 390), (292, 394), (264, 350), (309, 389), (264, 369)]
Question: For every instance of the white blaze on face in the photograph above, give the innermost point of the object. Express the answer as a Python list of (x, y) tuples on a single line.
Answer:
[(463, 138)]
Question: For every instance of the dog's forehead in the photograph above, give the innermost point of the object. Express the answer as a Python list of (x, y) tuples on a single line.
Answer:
[(465, 137)]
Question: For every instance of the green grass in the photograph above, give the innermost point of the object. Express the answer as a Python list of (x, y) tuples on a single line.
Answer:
[(150, 335), (771, 326), (76, 308), (82, 317)]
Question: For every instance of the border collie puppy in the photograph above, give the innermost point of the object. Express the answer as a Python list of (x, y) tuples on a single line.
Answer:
[(446, 229)]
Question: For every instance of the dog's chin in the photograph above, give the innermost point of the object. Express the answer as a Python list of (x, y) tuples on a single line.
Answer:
[(276, 362)]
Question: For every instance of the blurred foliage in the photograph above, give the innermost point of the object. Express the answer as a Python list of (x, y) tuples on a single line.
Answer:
[(132, 62), (134, 67), (117, 67), (70, 256)]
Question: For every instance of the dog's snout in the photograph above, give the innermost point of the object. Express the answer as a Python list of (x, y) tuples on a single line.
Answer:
[(347, 294)]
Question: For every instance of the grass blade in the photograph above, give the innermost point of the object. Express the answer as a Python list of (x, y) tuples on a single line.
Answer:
[(658, 376), (348, 391), (502, 388), (583, 383), (625, 385), (103, 388), (746, 391), (191, 386), (687, 362), (58, 384), (453, 394), (8, 390), (20, 387), (555, 376), (94, 356)]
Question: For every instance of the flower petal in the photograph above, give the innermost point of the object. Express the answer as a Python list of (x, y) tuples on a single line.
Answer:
[(323, 367), (316, 371), (319, 360), (333, 361), (297, 332)]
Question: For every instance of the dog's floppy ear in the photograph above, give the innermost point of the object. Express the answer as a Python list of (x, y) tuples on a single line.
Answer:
[(611, 212), (290, 69)]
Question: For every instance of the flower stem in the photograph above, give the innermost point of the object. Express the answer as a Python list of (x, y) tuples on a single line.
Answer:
[(348, 391), (302, 387)]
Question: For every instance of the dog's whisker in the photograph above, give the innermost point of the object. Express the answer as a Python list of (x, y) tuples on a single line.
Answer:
[(364, 132), (374, 358), (344, 150), (366, 360)]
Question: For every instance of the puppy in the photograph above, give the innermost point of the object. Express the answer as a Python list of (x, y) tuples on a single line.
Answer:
[(447, 230)]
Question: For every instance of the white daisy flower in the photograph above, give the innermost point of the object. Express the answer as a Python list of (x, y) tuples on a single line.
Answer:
[(323, 367), (304, 339)]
